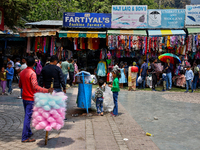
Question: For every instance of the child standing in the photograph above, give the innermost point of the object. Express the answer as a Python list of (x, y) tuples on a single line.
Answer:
[(122, 79), (99, 97), (9, 76), (115, 89), (164, 79), (189, 75), (3, 80)]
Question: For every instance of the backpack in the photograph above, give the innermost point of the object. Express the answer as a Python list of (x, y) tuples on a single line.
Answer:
[(38, 68)]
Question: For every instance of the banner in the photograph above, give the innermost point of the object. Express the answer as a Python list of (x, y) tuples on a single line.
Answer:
[(166, 18), (192, 15), (1, 19), (86, 20), (129, 16)]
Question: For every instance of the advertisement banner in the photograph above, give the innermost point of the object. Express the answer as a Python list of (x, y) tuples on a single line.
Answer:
[(192, 15), (166, 18), (1, 19), (129, 16), (86, 20)]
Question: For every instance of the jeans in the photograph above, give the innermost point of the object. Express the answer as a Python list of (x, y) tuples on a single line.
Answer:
[(196, 78), (115, 97), (28, 106), (65, 78), (143, 82), (99, 105), (71, 78), (58, 89), (169, 80), (9, 85), (189, 83)]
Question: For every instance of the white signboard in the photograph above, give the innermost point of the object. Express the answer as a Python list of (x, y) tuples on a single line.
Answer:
[(192, 15), (154, 18), (129, 16)]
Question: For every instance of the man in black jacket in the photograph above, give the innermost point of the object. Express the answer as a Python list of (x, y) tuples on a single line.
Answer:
[(52, 71)]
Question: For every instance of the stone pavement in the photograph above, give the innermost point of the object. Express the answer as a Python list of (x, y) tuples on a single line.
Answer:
[(79, 133)]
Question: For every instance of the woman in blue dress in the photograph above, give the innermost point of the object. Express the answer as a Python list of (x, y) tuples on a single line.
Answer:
[(123, 78)]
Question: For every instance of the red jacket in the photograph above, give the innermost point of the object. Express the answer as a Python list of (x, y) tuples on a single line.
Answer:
[(28, 83)]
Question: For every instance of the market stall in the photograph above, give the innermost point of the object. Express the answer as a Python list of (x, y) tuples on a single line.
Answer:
[(124, 45), (88, 47)]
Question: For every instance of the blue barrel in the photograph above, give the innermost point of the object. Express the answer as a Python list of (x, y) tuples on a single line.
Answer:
[(84, 95)]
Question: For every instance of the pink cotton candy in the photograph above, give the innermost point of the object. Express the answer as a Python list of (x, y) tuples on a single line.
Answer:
[(48, 128), (56, 115), (59, 120), (53, 124), (40, 110), (57, 127), (38, 127), (46, 114), (35, 121), (35, 108), (35, 114), (53, 111), (61, 110), (39, 118), (51, 119), (43, 124), (33, 124)]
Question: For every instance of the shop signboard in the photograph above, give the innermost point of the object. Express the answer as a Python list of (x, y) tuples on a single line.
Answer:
[(129, 16), (192, 15), (86, 20), (166, 18), (1, 19)]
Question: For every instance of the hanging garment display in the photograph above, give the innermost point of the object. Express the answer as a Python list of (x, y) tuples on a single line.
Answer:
[(101, 69)]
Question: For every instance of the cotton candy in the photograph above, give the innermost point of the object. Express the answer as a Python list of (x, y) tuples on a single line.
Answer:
[(39, 118), (52, 103), (53, 124), (38, 127), (56, 106), (43, 102), (47, 107), (46, 114), (35, 108), (59, 120), (43, 124), (35, 114), (38, 104), (56, 115), (35, 121), (57, 127), (33, 124), (48, 128), (41, 110), (53, 111), (51, 119)]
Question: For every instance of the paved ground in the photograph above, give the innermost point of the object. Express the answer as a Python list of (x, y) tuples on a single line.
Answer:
[(178, 117), (79, 133)]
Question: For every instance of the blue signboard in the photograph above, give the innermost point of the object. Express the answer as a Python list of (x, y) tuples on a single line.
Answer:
[(86, 20), (166, 18)]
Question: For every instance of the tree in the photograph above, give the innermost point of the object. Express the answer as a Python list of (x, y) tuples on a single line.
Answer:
[(14, 10)]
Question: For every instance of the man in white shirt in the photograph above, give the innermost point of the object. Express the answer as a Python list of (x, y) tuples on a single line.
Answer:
[(24, 66), (9, 60)]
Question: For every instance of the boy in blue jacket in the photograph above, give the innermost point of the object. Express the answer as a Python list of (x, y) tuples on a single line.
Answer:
[(9, 76)]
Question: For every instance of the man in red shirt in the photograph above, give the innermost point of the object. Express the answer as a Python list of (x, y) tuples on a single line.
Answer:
[(28, 83)]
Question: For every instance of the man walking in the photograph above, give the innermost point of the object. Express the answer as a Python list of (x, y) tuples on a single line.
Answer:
[(28, 83), (9, 60), (143, 73), (53, 71), (169, 69), (65, 69)]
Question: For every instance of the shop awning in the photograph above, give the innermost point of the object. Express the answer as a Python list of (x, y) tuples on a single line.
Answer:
[(82, 34), (34, 32), (127, 32), (166, 32), (193, 30)]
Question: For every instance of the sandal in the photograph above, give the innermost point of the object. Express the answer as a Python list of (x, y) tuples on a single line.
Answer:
[(28, 140), (102, 114)]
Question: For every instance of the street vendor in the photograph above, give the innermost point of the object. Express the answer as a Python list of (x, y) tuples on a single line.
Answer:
[(28, 83)]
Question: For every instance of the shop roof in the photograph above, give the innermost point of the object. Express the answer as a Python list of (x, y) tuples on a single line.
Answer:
[(128, 32), (166, 32), (193, 30), (82, 34), (36, 32), (47, 22)]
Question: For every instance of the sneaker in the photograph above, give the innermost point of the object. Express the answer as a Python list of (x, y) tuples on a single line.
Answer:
[(170, 88), (192, 91), (11, 91), (186, 91), (163, 90), (19, 97)]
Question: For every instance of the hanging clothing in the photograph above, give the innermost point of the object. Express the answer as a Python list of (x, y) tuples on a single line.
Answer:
[(101, 69)]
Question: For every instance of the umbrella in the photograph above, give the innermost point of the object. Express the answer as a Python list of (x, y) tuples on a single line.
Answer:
[(155, 13), (173, 58)]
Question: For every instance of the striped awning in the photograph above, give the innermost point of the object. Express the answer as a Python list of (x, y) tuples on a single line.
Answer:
[(34, 32), (166, 32), (193, 30), (82, 34), (127, 32)]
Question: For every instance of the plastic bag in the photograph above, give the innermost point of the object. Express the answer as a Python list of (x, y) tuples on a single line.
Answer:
[(139, 80), (108, 103), (149, 81), (94, 79)]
